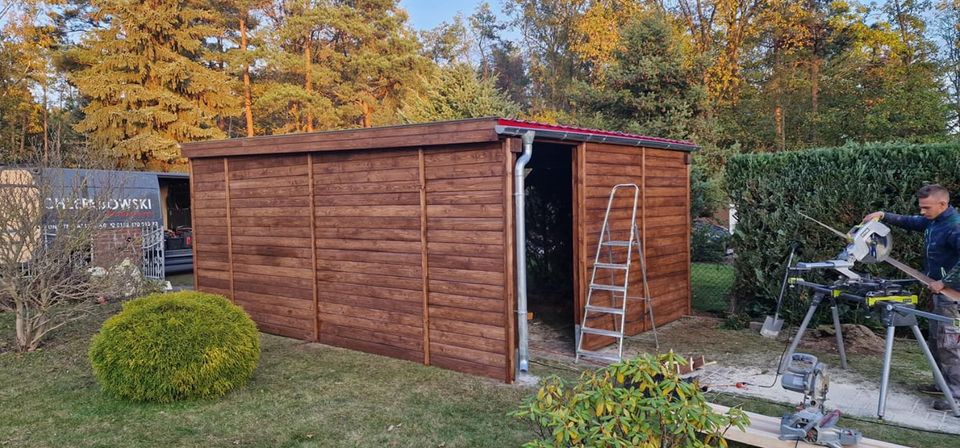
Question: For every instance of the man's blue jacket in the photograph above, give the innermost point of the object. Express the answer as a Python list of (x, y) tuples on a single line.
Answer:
[(941, 242)]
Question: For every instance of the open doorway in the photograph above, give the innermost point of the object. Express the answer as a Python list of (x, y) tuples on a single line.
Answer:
[(549, 246)]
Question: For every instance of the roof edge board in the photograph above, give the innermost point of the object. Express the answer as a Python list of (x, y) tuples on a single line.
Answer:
[(515, 131)]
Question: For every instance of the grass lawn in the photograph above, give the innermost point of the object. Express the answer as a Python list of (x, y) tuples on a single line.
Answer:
[(711, 284), (301, 395), (310, 395)]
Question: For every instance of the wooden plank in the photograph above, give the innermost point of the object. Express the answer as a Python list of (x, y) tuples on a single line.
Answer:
[(383, 160), (265, 230), (271, 211), (476, 250), (369, 234), (239, 201), (395, 198), (495, 318), (226, 175), (764, 431), (466, 211), (478, 224), (370, 347), (467, 262), (358, 223), (465, 184), (273, 251), (405, 247), (467, 236), (268, 171), (269, 299), (463, 131), (457, 339), (468, 328), (385, 258), (368, 290), (205, 166), (373, 279), (390, 270), (424, 259), (466, 197), (379, 187), (485, 169), (255, 286), (464, 156), (376, 336), (465, 302), (280, 330), (468, 354), (362, 177), (252, 161), (271, 269), (193, 220), (468, 289), (468, 276), (376, 303), (385, 320), (406, 211), (473, 368)]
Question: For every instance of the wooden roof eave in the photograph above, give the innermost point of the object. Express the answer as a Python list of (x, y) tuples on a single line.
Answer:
[(407, 136)]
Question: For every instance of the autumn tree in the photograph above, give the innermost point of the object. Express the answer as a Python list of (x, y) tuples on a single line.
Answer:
[(647, 88), (146, 80)]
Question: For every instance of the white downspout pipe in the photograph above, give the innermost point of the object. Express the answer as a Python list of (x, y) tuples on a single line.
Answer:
[(523, 362)]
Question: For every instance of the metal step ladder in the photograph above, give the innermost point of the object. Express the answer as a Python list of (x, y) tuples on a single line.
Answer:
[(618, 292)]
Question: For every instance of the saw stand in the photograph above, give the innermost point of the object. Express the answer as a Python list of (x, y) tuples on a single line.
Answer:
[(892, 315)]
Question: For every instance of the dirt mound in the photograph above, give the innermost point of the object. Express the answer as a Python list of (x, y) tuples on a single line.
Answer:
[(856, 339)]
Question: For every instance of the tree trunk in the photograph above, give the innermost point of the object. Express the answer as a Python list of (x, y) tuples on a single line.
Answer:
[(308, 75), (778, 117), (815, 96), (367, 114), (247, 102), (46, 138)]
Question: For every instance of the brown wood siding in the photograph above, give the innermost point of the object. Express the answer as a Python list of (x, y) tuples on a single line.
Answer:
[(662, 218), (270, 242), (466, 232), (209, 207), (368, 249)]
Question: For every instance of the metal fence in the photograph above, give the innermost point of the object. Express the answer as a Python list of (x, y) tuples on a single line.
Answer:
[(711, 275)]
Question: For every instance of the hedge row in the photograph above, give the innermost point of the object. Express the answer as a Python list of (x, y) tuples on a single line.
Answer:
[(837, 186)]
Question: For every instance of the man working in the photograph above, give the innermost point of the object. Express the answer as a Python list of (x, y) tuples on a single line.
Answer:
[(940, 224)]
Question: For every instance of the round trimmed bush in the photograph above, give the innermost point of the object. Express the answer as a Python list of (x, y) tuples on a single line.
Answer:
[(178, 346)]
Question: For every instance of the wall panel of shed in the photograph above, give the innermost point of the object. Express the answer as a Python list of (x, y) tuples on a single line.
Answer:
[(662, 219), (466, 242), (270, 242), (211, 255), (368, 251)]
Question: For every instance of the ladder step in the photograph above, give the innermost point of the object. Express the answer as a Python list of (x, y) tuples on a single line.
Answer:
[(608, 288), (611, 266), (617, 243), (597, 331), (603, 309), (598, 355)]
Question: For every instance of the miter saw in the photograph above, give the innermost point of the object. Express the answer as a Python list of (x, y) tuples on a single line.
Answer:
[(811, 423), (890, 300)]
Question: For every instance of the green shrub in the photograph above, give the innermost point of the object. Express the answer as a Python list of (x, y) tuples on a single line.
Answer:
[(837, 186), (640, 402), (169, 347)]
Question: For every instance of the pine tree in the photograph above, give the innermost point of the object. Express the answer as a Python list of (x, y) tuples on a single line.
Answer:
[(455, 92), (146, 75), (647, 88)]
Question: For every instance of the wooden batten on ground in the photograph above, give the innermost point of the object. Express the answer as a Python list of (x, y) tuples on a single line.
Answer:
[(764, 431)]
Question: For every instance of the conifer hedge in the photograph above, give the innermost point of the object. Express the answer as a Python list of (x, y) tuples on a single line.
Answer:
[(837, 186)]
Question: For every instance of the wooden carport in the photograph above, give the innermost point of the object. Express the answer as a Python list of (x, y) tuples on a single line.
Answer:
[(399, 240)]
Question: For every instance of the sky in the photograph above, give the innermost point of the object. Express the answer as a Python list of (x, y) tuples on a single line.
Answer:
[(426, 14)]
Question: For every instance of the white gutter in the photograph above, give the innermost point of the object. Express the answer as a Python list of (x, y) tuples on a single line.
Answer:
[(523, 363)]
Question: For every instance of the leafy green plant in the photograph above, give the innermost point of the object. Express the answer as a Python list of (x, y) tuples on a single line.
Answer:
[(169, 347), (837, 186), (639, 402)]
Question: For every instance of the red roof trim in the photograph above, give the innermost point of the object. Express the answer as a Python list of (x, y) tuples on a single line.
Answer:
[(573, 129)]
